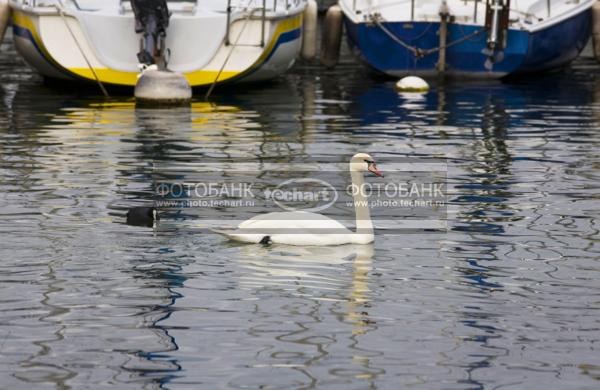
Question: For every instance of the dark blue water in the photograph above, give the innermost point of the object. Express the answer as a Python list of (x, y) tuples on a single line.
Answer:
[(507, 297)]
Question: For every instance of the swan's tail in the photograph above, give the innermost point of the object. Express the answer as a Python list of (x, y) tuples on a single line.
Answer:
[(235, 235), (223, 232)]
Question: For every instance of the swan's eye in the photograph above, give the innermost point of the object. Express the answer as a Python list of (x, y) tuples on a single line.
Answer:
[(370, 161)]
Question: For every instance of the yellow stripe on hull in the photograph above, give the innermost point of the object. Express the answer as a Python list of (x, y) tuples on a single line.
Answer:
[(110, 76)]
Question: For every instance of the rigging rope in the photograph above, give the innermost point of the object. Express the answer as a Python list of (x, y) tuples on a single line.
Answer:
[(418, 52), (60, 8), (212, 86)]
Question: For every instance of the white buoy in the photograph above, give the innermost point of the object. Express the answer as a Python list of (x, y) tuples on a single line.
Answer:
[(309, 31), (412, 84), (4, 16), (162, 87), (332, 37), (596, 29)]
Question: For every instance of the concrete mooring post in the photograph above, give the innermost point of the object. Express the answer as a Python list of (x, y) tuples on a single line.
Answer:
[(444, 19), (332, 37)]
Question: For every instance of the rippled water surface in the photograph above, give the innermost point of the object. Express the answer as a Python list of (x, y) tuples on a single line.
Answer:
[(508, 297)]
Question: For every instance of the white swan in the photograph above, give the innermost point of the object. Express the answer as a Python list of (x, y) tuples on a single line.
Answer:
[(311, 228)]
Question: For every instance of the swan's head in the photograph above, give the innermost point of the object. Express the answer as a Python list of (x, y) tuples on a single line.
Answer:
[(362, 162)]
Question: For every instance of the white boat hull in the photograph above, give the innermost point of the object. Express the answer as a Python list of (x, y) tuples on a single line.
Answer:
[(82, 44)]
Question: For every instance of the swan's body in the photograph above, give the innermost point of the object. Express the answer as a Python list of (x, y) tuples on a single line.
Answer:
[(304, 228)]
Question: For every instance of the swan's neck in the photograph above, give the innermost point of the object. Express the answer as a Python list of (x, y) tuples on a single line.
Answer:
[(361, 208)]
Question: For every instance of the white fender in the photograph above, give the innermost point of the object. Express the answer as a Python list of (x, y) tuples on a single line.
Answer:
[(309, 31), (596, 29)]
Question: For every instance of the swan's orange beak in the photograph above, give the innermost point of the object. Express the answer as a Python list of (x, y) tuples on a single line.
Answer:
[(373, 169)]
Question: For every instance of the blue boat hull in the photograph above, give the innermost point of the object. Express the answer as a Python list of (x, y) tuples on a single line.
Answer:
[(552, 47)]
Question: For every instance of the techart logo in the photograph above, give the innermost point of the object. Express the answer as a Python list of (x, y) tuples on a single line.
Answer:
[(312, 195)]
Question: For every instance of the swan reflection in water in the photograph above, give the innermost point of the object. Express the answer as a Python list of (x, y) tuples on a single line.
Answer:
[(306, 284)]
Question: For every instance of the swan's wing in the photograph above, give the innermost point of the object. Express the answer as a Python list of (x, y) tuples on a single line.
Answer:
[(292, 228), (293, 220)]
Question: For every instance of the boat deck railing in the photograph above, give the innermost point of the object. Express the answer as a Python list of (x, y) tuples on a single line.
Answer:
[(186, 6), (540, 9), (249, 10)]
